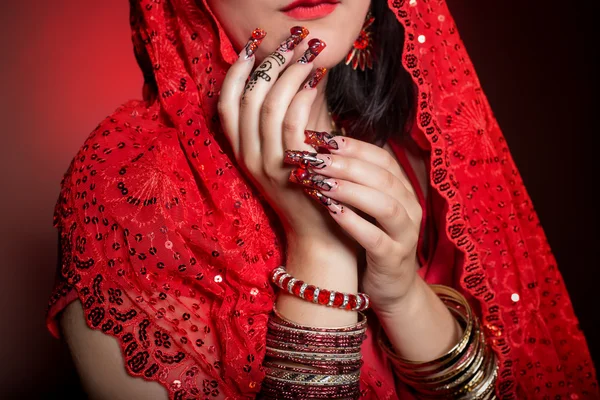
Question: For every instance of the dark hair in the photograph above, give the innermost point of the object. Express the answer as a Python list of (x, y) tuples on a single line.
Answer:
[(373, 105)]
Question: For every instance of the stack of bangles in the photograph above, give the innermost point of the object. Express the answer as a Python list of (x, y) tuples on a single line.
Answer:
[(468, 371), (305, 362)]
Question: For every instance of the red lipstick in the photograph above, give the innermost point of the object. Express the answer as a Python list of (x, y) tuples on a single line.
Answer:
[(310, 9)]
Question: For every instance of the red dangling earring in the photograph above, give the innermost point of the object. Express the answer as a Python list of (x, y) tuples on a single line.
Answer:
[(360, 55)]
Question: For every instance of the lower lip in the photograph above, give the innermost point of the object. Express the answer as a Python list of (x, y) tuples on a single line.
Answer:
[(314, 12)]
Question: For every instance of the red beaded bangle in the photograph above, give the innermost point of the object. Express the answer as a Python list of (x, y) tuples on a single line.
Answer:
[(313, 294)]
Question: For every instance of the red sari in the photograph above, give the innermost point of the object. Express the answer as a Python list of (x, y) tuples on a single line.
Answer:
[(169, 247)]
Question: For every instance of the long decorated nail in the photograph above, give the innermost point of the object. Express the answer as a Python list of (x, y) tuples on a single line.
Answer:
[(323, 140), (255, 40), (312, 180), (298, 34), (306, 159), (335, 207), (315, 47), (315, 78)]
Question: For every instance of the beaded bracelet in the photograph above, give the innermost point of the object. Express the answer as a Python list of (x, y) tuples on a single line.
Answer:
[(313, 294)]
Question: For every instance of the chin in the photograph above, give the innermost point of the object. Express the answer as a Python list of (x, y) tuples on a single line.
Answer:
[(328, 60)]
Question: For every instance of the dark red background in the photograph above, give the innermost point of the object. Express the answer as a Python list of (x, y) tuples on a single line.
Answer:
[(66, 64)]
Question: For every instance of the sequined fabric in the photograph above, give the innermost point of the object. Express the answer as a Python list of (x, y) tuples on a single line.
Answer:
[(169, 248)]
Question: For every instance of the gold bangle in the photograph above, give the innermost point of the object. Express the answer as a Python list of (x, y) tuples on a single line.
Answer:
[(312, 378), (467, 371), (453, 376), (455, 299), (440, 372)]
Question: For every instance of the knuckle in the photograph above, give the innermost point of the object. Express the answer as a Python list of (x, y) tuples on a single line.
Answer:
[(248, 164), (268, 109), (291, 125), (389, 180), (245, 101), (378, 243), (270, 176), (267, 171), (393, 211), (388, 161)]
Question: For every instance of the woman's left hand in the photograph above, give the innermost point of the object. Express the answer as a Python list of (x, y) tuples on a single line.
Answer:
[(367, 178)]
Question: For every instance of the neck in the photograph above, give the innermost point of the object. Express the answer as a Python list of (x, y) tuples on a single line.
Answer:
[(319, 119)]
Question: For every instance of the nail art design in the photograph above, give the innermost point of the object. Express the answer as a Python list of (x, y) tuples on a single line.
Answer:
[(307, 159), (255, 40), (298, 34), (315, 78), (322, 140), (317, 181), (315, 47), (335, 207)]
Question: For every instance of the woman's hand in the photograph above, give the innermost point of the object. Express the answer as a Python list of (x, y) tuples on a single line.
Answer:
[(265, 114), (262, 116), (369, 179)]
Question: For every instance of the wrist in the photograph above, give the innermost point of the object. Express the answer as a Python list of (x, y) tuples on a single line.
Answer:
[(327, 263), (405, 306), (391, 292)]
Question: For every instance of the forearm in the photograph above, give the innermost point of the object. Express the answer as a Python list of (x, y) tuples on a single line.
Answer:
[(419, 326), (328, 265)]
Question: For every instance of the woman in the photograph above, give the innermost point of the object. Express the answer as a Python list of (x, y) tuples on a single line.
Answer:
[(177, 212)]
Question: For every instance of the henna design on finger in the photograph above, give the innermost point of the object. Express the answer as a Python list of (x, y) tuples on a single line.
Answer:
[(298, 34), (315, 47), (324, 140), (315, 78), (332, 205), (260, 73), (306, 158), (255, 40), (278, 58), (316, 181)]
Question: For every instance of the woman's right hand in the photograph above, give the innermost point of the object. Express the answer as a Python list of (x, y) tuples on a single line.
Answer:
[(267, 114)]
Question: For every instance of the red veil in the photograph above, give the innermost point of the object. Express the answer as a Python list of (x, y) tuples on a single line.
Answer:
[(169, 248)]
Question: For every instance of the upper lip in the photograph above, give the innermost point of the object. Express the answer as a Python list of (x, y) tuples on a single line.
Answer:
[(307, 3)]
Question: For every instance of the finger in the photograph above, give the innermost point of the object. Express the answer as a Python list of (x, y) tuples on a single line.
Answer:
[(360, 172), (233, 86), (389, 213), (370, 237), (261, 81), (296, 117), (354, 148), (284, 109)]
